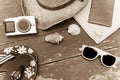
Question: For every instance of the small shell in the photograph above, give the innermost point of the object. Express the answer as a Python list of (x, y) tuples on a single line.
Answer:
[(54, 38), (74, 29)]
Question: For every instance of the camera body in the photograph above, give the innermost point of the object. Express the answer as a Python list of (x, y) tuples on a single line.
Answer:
[(21, 25)]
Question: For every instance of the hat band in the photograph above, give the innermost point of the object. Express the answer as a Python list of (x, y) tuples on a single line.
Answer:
[(58, 7)]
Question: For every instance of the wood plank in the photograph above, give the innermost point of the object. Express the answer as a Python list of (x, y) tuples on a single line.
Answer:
[(4, 40), (111, 44), (69, 47), (71, 69), (67, 69), (49, 52), (57, 28), (10, 8)]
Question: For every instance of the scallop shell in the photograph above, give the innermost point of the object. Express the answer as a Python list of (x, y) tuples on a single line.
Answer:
[(74, 29), (54, 38)]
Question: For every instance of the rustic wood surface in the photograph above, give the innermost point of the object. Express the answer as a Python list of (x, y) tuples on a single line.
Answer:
[(63, 61)]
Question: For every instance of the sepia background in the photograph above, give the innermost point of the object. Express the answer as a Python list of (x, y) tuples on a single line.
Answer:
[(63, 61)]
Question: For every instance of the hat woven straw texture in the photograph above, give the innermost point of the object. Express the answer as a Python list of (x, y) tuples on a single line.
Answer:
[(51, 12)]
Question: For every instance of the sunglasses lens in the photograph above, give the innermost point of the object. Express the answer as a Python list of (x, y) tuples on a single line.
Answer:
[(108, 60), (89, 53)]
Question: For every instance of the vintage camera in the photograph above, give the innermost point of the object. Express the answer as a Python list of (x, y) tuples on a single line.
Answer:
[(20, 25)]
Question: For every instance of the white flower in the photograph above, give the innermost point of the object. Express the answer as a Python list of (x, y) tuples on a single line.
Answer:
[(33, 63), (22, 50), (8, 50), (30, 51), (29, 72)]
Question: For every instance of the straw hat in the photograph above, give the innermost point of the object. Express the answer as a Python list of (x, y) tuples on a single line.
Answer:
[(51, 12)]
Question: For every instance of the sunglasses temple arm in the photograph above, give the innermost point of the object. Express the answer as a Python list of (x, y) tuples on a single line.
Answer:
[(80, 54), (117, 62), (80, 49)]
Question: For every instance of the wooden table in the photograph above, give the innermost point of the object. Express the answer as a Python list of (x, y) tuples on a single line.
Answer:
[(63, 61)]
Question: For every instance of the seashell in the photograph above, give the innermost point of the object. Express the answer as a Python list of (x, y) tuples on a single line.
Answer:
[(54, 38), (74, 29)]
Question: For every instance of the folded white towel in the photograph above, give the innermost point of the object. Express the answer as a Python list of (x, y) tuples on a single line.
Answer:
[(98, 32)]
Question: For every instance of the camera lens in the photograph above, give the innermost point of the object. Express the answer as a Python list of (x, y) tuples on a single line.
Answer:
[(24, 25)]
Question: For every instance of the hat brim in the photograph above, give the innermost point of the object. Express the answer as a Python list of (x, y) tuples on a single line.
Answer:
[(47, 18)]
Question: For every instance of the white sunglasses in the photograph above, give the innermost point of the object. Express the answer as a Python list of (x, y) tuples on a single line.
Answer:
[(91, 53)]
